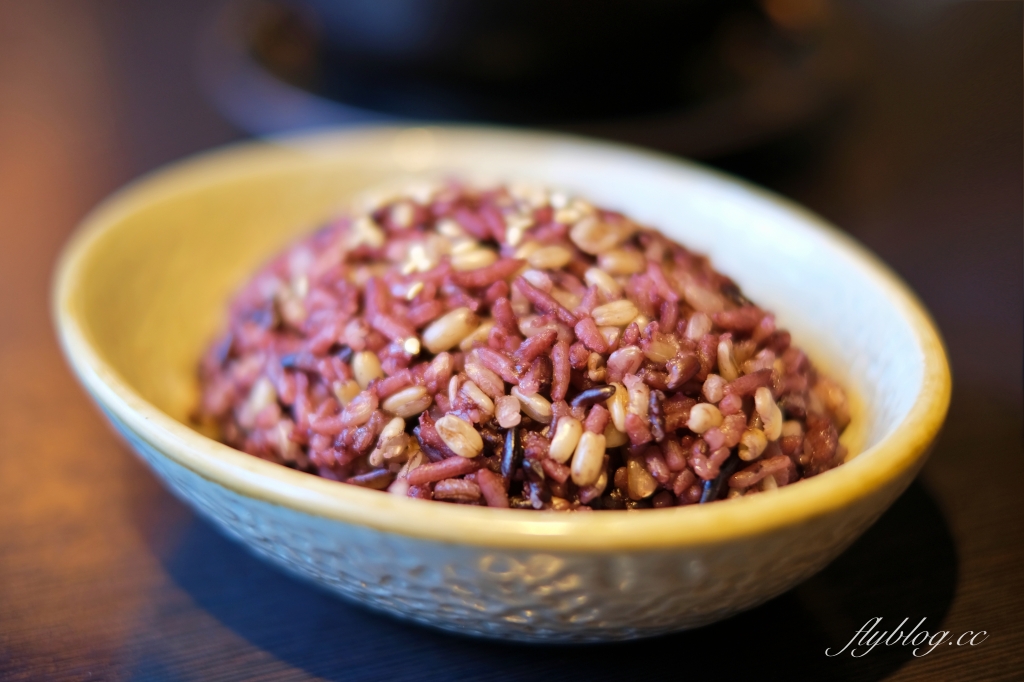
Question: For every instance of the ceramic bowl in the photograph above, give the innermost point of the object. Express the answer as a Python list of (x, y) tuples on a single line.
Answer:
[(141, 289)]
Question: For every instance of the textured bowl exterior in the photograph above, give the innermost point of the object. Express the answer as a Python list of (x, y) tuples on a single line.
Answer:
[(522, 595), (141, 287)]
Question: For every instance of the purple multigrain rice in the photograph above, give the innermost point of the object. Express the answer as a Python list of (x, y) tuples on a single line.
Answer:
[(491, 315)]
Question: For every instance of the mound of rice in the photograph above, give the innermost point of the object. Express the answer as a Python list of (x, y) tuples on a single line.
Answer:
[(513, 346)]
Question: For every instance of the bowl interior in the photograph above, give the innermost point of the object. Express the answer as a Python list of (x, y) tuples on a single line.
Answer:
[(155, 266)]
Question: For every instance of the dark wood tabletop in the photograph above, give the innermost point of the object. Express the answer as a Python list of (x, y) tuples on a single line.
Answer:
[(104, 575)]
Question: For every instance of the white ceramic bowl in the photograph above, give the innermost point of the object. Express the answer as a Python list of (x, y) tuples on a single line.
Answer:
[(141, 289)]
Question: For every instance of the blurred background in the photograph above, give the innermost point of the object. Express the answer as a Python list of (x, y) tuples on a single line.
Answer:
[(901, 122)]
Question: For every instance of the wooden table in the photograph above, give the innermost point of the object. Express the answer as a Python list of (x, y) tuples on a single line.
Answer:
[(103, 575)]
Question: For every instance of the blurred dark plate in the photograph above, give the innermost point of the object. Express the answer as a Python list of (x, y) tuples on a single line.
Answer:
[(701, 78)]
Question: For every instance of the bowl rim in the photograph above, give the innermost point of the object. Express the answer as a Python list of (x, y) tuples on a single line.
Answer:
[(902, 450)]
